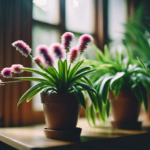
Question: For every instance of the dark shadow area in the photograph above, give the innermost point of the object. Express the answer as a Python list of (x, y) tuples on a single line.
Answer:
[(133, 142), (4, 146)]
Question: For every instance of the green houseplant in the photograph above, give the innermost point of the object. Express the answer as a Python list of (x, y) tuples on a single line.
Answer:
[(62, 90), (118, 81), (137, 32)]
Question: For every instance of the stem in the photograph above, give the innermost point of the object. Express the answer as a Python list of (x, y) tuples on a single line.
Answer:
[(37, 64), (66, 56), (79, 56), (69, 69), (35, 61), (13, 81)]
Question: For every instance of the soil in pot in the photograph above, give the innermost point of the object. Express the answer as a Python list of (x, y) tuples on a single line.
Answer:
[(61, 114), (125, 110)]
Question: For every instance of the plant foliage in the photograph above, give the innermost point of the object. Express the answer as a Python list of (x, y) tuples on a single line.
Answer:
[(137, 32), (116, 75), (68, 78)]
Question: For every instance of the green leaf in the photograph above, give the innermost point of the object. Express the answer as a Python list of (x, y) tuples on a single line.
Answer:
[(85, 86), (104, 88), (65, 71), (74, 69), (117, 88), (81, 75), (101, 107), (137, 92), (69, 69), (82, 70), (92, 113), (142, 64), (32, 89), (93, 99), (115, 79), (146, 84), (140, 70), (87, 114), (53, 72), (98, 82), (108, 108), (106, 51), (98, 53), (31, 79), (61, 68), (50, 93), (34, 93), (88, 81), (40, 73), (80, 97)]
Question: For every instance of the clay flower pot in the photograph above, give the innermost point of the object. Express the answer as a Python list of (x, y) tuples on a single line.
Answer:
[(61, 115), (125, 110)]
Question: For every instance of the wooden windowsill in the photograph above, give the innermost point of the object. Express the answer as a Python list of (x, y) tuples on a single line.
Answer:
[(32, 137)]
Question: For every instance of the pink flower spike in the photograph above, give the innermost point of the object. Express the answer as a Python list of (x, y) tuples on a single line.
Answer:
[(48, 60), (37, 60), (22, 47), (73, 55), (17, 68), (42, 49), (1, 83), (66, 40), (67, 36), (57, 49), (7, 72), (84, 40)]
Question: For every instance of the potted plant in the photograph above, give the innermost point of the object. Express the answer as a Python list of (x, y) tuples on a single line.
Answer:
[(62, 89), (122, 86)]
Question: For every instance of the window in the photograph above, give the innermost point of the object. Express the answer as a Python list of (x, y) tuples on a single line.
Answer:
[(117, 16)]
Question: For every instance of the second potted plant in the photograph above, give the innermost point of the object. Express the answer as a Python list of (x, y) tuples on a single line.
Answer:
[(122, 86)]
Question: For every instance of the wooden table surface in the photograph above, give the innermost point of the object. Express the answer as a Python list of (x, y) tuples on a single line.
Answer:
[(33, 137)]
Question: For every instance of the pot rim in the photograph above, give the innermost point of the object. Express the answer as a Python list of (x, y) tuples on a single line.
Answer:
[(69, 98), (122, 95)]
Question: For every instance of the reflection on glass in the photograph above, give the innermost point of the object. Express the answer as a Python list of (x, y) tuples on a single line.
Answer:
[(117, 15), (46, 11), (41, 35), (80, 16)]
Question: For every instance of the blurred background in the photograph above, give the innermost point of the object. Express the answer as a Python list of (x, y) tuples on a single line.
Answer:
[(43, 22)]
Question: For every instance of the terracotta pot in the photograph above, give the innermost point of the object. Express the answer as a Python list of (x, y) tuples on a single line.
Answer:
[(125, 109), (61, 111)]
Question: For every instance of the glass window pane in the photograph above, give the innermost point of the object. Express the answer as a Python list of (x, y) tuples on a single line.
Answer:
[(46, 11), (42, 35), (80, 16), (117, 15)]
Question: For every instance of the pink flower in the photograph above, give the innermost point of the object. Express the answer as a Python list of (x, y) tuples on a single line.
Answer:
[(22, 47), (84, 40), (66, 39), (17, 68), (48, 60), (57, 49), (42, 49), (73, 55), (37, 60), (1, 83), (7, 72)]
